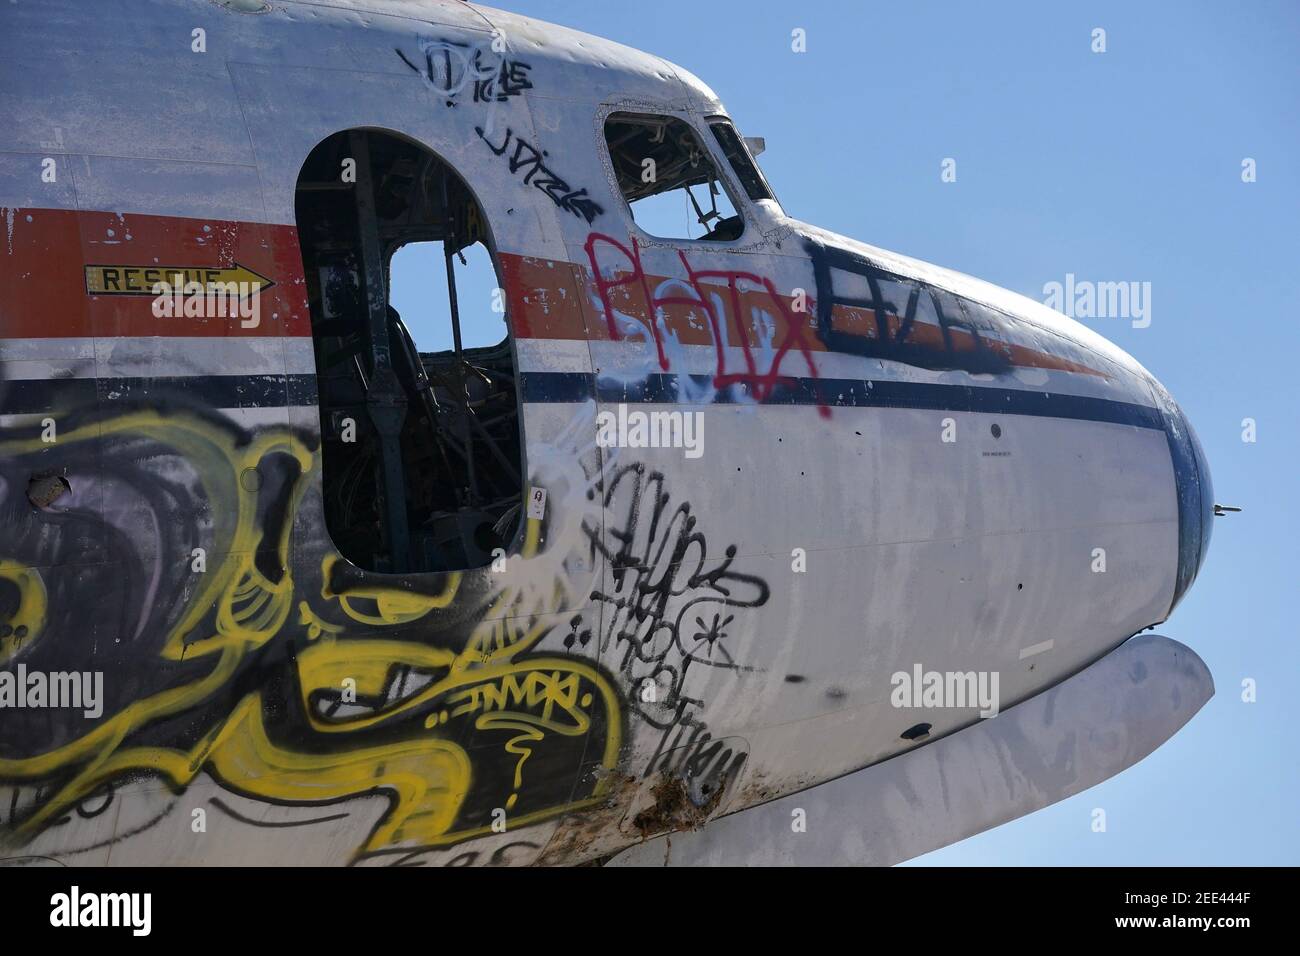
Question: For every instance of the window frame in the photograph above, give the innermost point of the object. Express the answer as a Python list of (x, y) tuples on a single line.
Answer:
[(496, 269), (762, 176), (721, 167), (515, 545)]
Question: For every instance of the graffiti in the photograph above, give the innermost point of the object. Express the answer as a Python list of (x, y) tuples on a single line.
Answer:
[(673, 617), (706, 764), (510, 80), (505, 855), (761, 374), (755, 331), (270, 825), (25, 593), (287, 678), (450, 67), (913, 323), (538, 174)]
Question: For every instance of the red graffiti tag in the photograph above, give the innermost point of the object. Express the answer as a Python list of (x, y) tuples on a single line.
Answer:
[(760, 382)]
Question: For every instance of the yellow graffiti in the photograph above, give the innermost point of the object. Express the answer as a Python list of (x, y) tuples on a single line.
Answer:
[(427, 777), (24, 624), (236, 609), (315, 625), (249, 608), (391, 606), (552, 691)]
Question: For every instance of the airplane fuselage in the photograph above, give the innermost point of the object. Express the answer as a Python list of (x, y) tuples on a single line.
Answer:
[(895, 468)]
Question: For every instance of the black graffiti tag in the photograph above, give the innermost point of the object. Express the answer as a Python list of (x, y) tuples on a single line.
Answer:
[(451, 66), (527, 157), (511, 80), (670, 612)]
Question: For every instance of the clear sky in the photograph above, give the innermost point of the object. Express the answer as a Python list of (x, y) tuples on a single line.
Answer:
[(1116, 166)]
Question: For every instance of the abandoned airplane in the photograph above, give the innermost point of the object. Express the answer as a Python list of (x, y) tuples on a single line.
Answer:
[(645, 557)]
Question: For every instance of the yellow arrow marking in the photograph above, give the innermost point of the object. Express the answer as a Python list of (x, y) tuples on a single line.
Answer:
[(142, 280)]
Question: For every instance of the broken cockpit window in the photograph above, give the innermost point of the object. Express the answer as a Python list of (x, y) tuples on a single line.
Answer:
[(668, 179), (742, 163), (421, 449)]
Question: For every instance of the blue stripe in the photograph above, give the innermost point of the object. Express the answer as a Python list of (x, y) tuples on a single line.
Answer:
[(38, 396), (563, 387), (272, 391)]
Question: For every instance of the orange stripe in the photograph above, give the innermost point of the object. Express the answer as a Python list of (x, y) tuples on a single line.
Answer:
[(43, 286), (43, 292)]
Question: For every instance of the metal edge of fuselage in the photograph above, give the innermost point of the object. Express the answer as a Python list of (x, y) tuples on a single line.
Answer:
[(1056, 744)]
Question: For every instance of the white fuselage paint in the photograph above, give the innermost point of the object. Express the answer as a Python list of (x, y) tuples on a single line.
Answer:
[(973, 555)]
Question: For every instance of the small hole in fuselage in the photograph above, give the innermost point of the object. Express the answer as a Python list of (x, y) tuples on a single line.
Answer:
[(917, 732)]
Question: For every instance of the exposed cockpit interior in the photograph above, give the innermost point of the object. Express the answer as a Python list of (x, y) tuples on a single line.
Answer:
[(421, 451)]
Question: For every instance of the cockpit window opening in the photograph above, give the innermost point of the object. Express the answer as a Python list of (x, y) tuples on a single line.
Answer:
[(421, 450), (742, 163), (666, 176)]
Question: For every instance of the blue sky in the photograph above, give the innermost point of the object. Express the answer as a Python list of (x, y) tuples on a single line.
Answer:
[(1122, 166)]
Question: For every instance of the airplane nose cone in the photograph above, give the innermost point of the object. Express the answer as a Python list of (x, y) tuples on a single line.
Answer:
[(1192, 487)]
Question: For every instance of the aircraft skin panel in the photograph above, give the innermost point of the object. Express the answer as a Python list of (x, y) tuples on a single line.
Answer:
[(654, 623), (90, 274), (1131, 702), (1065, 332)]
